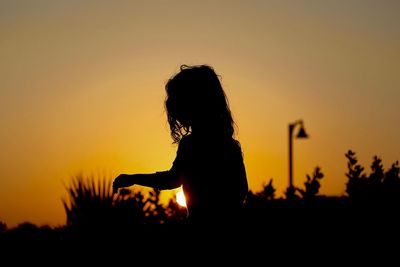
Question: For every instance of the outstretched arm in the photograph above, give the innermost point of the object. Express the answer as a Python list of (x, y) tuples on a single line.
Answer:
[(159, 180)]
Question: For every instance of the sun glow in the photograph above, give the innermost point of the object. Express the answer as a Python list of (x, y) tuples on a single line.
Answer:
[(180, 198)]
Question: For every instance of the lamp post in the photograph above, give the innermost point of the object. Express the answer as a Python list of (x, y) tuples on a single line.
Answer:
[(301, 134)]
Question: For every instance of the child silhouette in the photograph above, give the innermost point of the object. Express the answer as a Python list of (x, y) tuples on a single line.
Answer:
[(209, 164)]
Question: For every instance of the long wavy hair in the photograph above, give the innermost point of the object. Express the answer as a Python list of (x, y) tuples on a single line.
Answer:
[(196, 100)]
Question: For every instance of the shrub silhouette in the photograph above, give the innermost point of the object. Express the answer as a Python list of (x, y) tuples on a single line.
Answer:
[(27, 233), (91, 207), (89, 203), (379, 188), (268, 191), (176, 214), (312, 185), (357, 184), (3, 227), (391, 185)]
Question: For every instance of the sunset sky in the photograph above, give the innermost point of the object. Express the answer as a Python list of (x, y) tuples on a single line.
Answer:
[(82, 88)]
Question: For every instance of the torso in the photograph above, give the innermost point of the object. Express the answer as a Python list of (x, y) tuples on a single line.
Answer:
[(213, 175)]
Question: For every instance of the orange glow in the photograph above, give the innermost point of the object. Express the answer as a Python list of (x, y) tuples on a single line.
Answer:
[(180, 198), (82, 89)]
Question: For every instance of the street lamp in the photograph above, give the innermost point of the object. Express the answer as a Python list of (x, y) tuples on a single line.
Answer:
[(301, 134)]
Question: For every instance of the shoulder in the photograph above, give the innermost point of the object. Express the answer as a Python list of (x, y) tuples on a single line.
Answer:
[(185, 144), (235, 144), (186, 140), (236, 148)]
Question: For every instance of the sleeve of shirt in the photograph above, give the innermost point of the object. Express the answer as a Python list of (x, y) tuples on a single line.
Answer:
[(180, 162), (172, 178)]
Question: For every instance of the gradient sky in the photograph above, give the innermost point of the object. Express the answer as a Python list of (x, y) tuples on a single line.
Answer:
[(82, 88)]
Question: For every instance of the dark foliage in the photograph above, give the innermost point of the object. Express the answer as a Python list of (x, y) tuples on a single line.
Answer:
[(92, 209), (371, 202), (312, 185), (3, 227), (379, 189)]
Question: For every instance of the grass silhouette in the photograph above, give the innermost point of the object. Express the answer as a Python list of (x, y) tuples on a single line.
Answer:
[(92, 208), (370, 205)]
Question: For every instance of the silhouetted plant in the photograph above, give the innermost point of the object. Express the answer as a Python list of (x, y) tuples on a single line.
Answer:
[(379, 188), (130, 208), (175, 212), (291, 193), (357, 184), (91, 206), (312, 184), (27, 232), (391, 185), (375, 180), (155, 212), (3, 227), (268, 191), (89, 202), (377, 175)]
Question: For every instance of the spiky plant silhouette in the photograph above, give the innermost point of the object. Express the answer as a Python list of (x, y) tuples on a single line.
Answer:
[(89, 203), (91, 206)]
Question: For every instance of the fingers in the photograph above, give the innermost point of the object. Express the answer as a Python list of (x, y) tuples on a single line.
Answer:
[(115, 190), (119, 182), (115, 185)]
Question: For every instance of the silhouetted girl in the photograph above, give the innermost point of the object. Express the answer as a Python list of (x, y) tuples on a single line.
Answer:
[(209, 163)]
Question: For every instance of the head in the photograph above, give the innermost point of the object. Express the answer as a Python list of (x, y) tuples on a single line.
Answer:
[(196, 102)]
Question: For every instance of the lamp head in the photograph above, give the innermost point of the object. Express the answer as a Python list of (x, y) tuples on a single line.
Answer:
[(302, 133)]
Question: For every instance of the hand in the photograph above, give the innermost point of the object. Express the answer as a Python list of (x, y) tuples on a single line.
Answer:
[(120, 181)]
